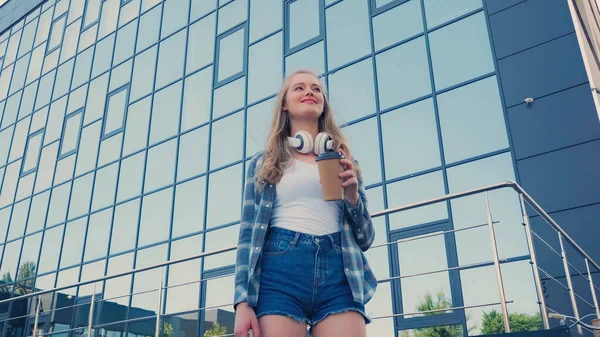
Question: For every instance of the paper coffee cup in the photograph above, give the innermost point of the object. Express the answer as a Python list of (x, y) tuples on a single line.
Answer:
[(329, 170)]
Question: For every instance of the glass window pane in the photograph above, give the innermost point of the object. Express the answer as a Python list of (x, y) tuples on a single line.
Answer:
[(312, 58), (120, 75), (417, 189), (193, 153), (131, 176), (5, 217), (170, 59), (98, 233), (56, 33), (363, 139), (229, 97), (381, 305), (10, 183), (348, 33), (258, 125), (103, 55), (227, 140), (145, 304), (5, 138), (87, 37), (92, 11), (81, 74), (104, 187), (29, 258), (403, 74), (401, 129), (55, 120), (232, 14), (160, 165), (5, 80), (88, 148), (33, 151), (82, 192), (143, 74), (136, 129), (231, 54), (504, 206), (201, 43), (120, 286), (219, 293), (27, 103), (224, 194), (109, 17), (397, 24), (265, 17), (125, 226), (69, 47), (38, 121), (50, 249), (478, 106), (11, 110), (196, 99), (43, 27), (165, 113), (189, 207), (125, 44), (46, 167), (219, 239), (92, 271), (76, 10), (202, 7), (19, 140), (71, 133), (10, 260), (18, 77), (64, 169), (37, 214), (439, 11), (18, 220), (265, 68), (424, 255), (110, 149), (461, 51), (175, 16), (156, 217), (115, 112), (27, 38), (25, 186), (96, 99), (59, 200), (304, 21), (148, 30), (352, 92), (35, 64), (378, 257), (184, 298), (73, 242)]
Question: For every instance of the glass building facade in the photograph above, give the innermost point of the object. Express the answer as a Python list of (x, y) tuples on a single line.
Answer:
[(126, 126)]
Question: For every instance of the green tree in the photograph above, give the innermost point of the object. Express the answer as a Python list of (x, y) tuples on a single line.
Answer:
[(217, 330), (27, 273), (429, 303), (493, 322), (167, 330)]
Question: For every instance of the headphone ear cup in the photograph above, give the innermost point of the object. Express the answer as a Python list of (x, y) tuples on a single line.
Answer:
[(306, 142), (321, 143)]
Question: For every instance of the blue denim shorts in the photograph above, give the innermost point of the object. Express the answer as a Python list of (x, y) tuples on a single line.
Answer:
[(302, 277)]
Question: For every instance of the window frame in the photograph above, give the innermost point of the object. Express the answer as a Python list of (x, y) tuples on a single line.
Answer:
[(41, 133), (216, 83), (62, 37), (117, 91), (64, 129), (378, 10), (286, 27)]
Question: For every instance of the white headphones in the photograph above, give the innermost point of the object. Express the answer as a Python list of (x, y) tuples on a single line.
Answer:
[(303, 142)]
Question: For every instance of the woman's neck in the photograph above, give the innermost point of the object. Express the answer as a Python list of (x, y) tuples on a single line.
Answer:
[(311, 127)]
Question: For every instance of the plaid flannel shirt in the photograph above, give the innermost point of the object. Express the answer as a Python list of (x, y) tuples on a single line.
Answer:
[(357, 236)]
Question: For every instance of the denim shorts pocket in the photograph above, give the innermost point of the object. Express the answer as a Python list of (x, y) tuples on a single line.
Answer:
[(276, 247)]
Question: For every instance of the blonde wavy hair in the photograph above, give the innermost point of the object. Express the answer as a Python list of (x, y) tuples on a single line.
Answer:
[(277, 152)]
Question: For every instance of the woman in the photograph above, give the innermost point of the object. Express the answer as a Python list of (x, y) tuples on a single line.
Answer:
[(299, 258)]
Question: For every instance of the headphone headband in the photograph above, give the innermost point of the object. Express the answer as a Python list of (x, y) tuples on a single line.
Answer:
[(303, 142)]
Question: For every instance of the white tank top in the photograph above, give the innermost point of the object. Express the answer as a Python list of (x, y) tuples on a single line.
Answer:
[(299, 204)]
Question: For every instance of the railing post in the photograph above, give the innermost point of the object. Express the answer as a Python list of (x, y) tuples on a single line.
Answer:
[(569, 282), (37, 316), (497, 265), (159, 307), (91, 316), (592, 289), (536, 272)]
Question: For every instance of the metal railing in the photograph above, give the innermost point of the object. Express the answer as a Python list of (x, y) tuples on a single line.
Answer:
[(531, 237)]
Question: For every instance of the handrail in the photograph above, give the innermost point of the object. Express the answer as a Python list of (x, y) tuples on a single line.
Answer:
[(492, 187), (523, 196)]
